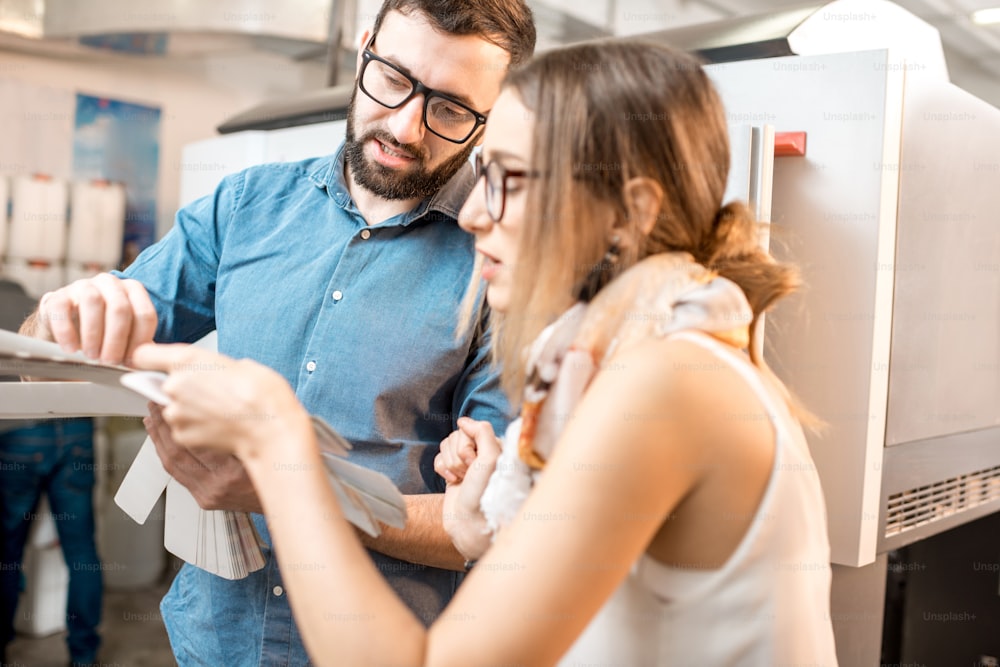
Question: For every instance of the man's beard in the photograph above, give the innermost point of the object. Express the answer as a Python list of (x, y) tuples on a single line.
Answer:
[(390, 184)]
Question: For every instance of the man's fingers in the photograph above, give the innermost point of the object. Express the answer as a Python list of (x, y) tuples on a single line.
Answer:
[(177, 461), (216, 480), (154, 423), (103, 316), (143, 316), (113, 317), (57, 313), (89, 303), (160, 430)]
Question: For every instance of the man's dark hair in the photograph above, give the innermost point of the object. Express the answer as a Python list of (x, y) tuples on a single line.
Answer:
[(507, 23)]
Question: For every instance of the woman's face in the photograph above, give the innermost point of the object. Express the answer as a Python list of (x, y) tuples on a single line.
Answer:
[(507, 147)]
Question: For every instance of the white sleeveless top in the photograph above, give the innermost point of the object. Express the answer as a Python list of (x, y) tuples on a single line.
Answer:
[(768, 605)]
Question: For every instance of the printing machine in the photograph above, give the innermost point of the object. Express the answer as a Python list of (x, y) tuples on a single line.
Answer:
[(888, 204)]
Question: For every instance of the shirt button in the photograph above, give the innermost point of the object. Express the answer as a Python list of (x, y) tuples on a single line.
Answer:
[(311, 366), (278, 591), (365, 234), (338, 295)]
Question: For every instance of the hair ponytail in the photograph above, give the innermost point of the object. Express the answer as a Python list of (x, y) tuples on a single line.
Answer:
[(732, 249)]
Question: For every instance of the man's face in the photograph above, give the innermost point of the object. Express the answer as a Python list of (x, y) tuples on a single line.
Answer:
[(390, 152)]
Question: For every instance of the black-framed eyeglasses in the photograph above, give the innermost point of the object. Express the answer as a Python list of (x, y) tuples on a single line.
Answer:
[(392, 88), (496, 183)]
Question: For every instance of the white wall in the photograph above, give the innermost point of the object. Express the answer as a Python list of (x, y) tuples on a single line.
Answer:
[(194, 94)]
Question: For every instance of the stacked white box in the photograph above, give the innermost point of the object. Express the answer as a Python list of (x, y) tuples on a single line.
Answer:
[(37, 233), (38, 219), (96, 225)]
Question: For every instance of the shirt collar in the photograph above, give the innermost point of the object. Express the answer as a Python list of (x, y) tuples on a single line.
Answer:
[(329, 174)]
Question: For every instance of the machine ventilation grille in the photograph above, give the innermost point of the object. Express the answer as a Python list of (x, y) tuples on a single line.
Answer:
[(907, 510)]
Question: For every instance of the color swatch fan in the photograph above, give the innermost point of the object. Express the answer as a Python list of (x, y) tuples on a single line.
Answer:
[(222, 542)]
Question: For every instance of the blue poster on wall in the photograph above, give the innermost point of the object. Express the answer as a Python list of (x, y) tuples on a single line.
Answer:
[(120, 142)]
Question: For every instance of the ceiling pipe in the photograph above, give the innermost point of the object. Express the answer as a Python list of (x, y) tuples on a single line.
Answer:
[(339, 9), (41, 19)]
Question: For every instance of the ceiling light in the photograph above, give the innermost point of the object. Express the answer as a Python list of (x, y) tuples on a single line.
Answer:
[(986, 16)]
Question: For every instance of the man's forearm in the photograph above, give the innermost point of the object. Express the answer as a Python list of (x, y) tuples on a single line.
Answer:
[(424, 540)]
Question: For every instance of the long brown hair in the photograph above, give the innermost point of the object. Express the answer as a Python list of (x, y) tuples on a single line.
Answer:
[(606, 112)]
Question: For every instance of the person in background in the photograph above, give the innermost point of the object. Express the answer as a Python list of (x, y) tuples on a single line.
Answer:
[(656, 503), (55, 458), (343, 274)]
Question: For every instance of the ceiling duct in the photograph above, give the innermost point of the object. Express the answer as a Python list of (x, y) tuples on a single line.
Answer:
[(318, 106), (297, 29), (306, 20)]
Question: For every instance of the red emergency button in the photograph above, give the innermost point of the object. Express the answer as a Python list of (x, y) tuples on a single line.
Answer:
[(789, 144)]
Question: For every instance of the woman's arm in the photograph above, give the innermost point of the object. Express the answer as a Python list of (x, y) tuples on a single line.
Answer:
[(346, 612), (623, 463)]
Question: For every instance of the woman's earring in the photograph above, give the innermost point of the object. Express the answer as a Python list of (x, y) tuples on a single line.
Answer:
[(613, 253), (601, 273)]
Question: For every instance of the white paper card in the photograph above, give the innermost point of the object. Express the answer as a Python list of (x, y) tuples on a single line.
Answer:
[(143, 484)]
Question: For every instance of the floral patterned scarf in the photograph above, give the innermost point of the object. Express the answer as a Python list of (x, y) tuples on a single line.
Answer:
[(660, 295)]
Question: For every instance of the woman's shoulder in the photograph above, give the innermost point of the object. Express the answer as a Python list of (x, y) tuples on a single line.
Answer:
[(678, 364), (699, 381)]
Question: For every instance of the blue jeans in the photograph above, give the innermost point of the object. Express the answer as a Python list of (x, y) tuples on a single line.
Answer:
[(56, 458)]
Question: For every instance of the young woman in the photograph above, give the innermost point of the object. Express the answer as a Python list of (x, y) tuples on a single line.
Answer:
[(656, 503)]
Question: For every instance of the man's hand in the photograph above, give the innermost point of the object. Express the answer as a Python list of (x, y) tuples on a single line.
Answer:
[(217, 481), (104, 316)]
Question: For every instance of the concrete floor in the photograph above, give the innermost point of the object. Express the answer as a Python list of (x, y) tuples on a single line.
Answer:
[(131, 630)]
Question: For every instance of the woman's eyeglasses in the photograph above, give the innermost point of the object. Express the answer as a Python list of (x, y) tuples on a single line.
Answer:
[(496, 183)]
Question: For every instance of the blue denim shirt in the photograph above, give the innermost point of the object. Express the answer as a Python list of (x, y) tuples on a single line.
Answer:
[(360, 320)]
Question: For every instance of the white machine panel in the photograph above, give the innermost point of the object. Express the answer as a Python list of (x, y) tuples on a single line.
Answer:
[(833, 214), (205, 163)]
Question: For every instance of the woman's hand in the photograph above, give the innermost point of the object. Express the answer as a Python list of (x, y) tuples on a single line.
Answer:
[(458, 451), (222, 404), (467, 459)]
